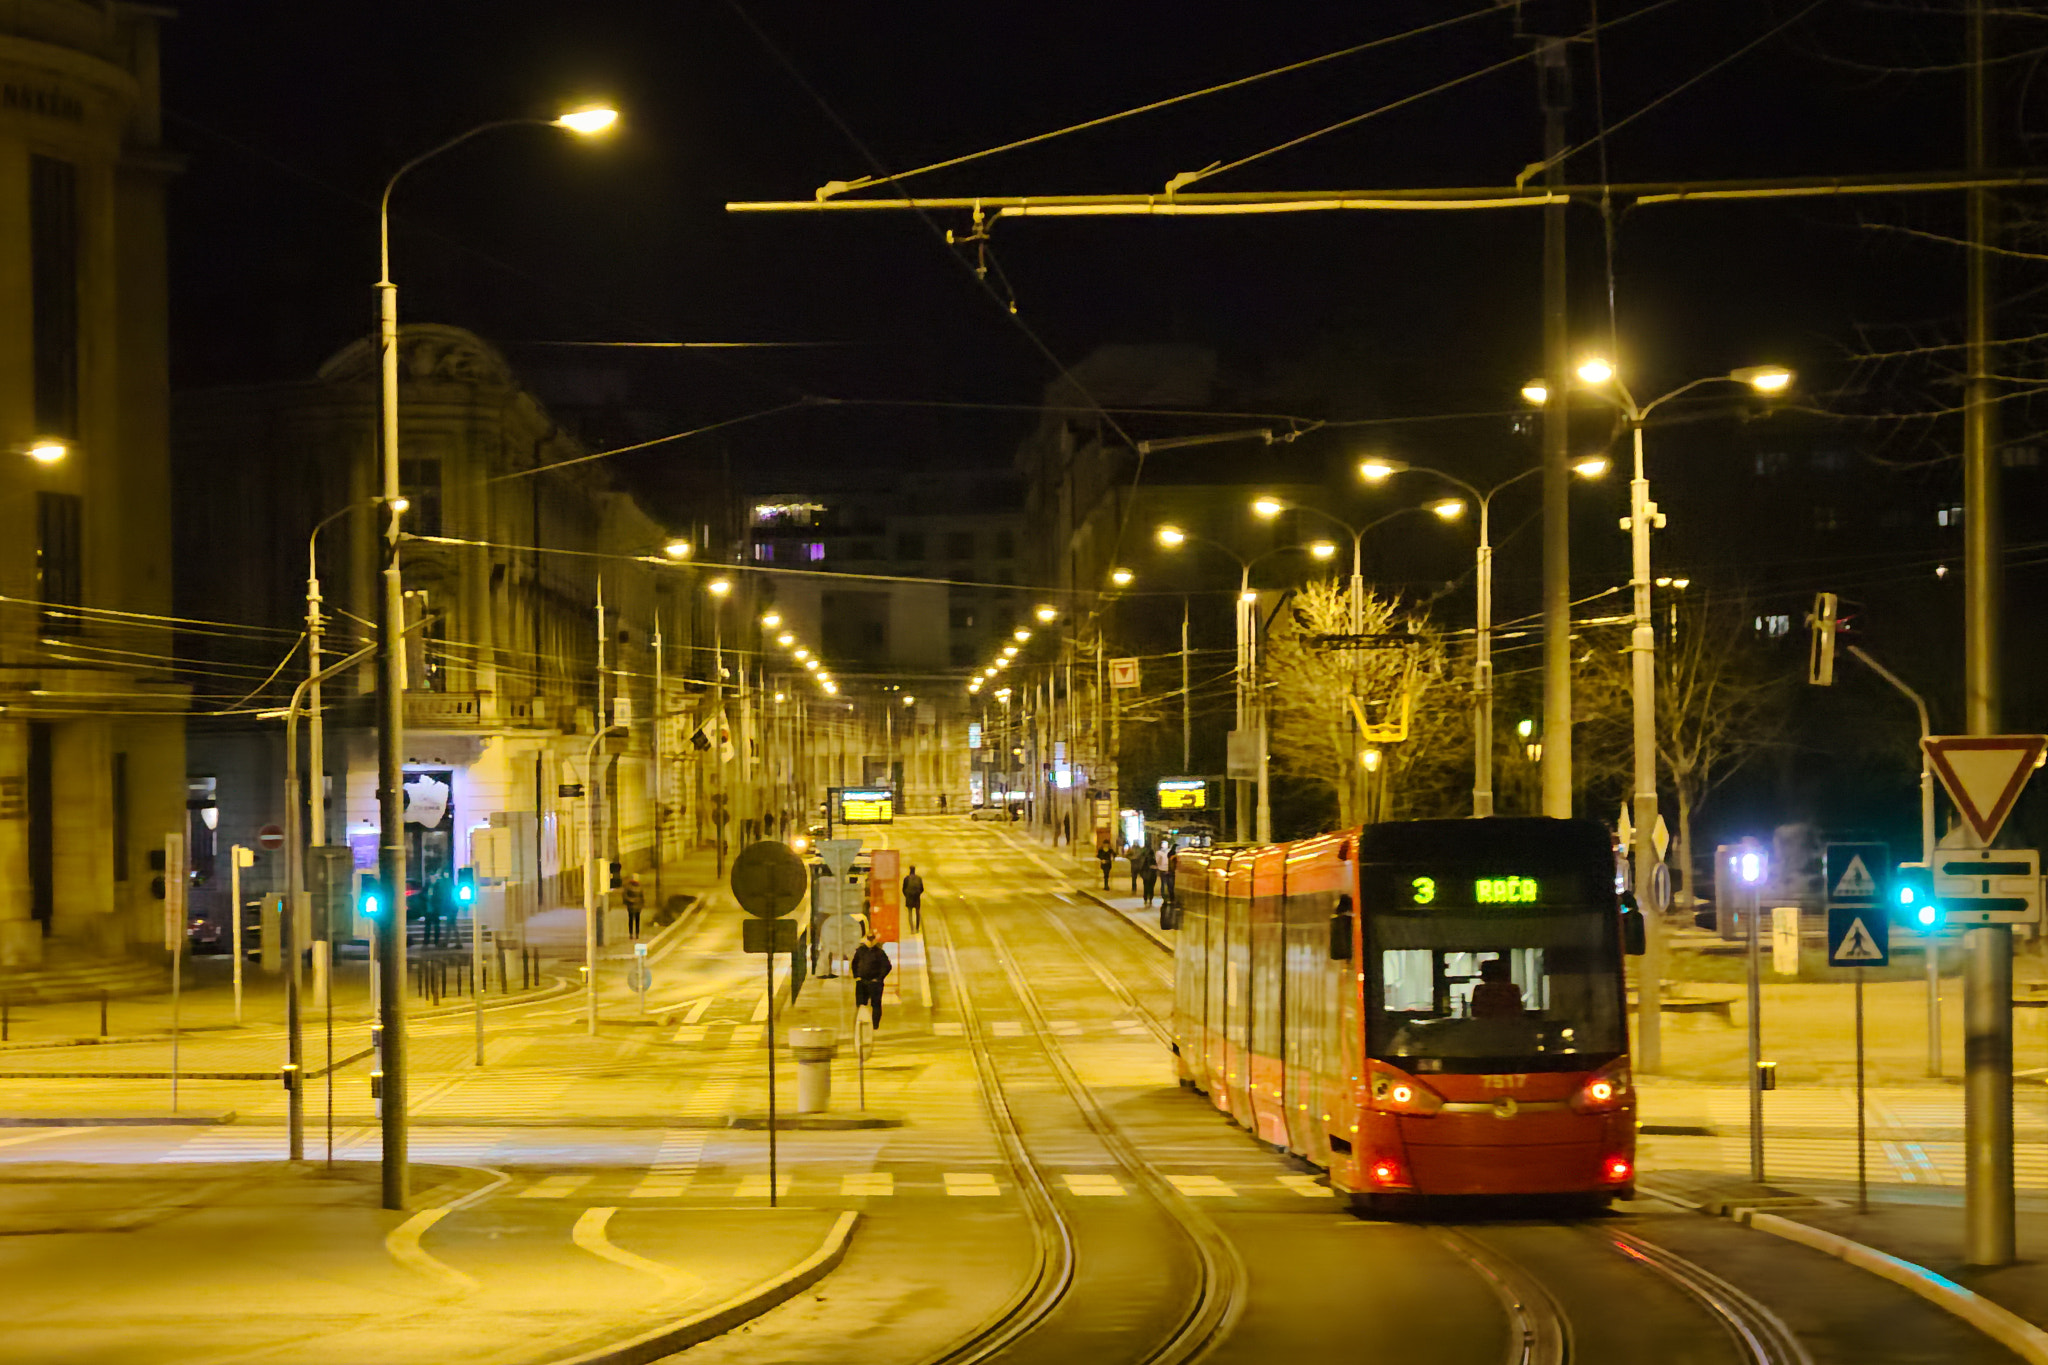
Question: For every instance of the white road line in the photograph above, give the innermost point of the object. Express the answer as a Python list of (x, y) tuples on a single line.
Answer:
[(1304, 1185), (697, 1010), (39, 1134), (1094, 1183), (555, 1186), (589, 1233), (403, 1243), (1201, 1186), (971, 1183), (868, 1183)]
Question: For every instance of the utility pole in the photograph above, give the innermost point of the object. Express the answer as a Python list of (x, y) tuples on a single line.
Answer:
[(1187, 725), (660, 772), (1988, 1232), (1553, 83)]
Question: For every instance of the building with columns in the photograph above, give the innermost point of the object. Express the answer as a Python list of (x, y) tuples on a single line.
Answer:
[(91, 699)]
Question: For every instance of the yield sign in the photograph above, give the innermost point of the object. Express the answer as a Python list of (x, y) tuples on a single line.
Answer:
[(1984, 774)]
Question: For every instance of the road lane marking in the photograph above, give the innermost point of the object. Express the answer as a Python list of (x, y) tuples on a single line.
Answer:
[(661, 1187), (1304, 1185), (948, 1028), (1094, 1183), (403, 1244), (867, 1183), (555, 1186), (39, 1135), (756, 1186), (589, 1233), (1201, 1186), (971, 1184), (697, 1010), (1007, 1028)]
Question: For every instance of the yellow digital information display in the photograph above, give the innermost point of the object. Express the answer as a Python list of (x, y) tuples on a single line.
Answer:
[(867, 806), (1183, 793), (1505, 891)]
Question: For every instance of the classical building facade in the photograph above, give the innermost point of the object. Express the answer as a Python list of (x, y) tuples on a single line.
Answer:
[(513, 541), (91, 725)]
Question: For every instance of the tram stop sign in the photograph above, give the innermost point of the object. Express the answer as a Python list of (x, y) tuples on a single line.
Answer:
[(768, 879)]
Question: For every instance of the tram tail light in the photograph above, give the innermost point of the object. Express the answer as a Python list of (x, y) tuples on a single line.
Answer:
[(1616, 1170), (1396, 1092), (1387, 1173), (1606, 1090)]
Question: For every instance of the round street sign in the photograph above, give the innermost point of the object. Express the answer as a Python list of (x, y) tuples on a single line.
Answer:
[(768, 879), (270, 836), (639, 976)]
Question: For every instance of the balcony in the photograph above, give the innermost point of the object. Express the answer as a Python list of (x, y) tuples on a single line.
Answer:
[(430, 711)]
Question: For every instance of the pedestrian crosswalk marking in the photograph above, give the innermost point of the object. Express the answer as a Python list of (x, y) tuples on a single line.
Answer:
[(1007, 1028), (756, 1186), (555, 1186), (1201, 1186), (864, 1184), (1304, 1185), (1066, 1028), (971, 1183), (947, 1029), (1094, 1183), (660, 1187)]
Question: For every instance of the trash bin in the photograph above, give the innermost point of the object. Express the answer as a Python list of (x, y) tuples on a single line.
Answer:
[(813, 1049)]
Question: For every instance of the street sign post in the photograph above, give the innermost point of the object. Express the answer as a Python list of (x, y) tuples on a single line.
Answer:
[(1785, 940), (1987, 885), (271, 837), (1123, 673), (769, 881), (1859, 936)]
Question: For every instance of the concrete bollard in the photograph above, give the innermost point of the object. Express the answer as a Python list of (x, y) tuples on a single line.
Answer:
[(813, 1049)]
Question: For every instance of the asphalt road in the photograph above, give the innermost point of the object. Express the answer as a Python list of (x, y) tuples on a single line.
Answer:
[(1041, 1190)]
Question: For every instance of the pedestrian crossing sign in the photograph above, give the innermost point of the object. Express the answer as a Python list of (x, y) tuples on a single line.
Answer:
[(1855, 883), (1853, 942)]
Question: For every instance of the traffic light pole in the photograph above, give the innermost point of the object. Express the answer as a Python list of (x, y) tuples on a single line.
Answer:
[(295, 904)]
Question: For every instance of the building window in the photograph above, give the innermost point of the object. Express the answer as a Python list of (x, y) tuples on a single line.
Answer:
[(419, 482), (1951, 515), (1769, 462), (59, 561), (2020, 457), (960, 544), (1774, 626), (861, 549), (963, 618), (1006, 545), (119, 816), (53, 285), (909, 546), (764, 552), (814, 550)]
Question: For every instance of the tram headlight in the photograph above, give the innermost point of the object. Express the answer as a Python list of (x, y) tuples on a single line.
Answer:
[(1394, 1092), (1605, 1090)]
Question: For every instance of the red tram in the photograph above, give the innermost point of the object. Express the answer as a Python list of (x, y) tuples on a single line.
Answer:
[(1431, 1007)]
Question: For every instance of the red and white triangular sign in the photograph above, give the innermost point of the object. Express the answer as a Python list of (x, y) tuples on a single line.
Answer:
[(1984, 774)]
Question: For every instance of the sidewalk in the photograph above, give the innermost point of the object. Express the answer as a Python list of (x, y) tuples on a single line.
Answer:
[(315, 1271)]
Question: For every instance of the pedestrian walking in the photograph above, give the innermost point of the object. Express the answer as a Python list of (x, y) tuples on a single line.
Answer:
[(913, 899), (1107, 857), (942, 803), (871, 966), (1131, 862), (636, 901), (1165, 864), (440, 904), (1148, 870)]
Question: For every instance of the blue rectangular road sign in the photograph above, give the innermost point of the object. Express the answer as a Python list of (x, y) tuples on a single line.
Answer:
[(1859, 923)]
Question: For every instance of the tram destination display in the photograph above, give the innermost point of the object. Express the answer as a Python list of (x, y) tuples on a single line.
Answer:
[(867, 806), (1183, 793)]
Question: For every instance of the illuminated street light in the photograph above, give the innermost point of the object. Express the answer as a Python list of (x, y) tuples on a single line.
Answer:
[(1020, 635), (1323, 549), (1537, 392), (909, 701), (1450, 509), (1763, 378), (48, 451), (785, 639), (1374, 470), (401, 505), (803, 654), (771, 619), (1171, 536), (718, 587), (1048, 615), (596, 119), (1268, 507), (1592, 467), (678, 549), (811, 664), (1247, 595), (1009, 651), (1595, 370), (1121, 577)]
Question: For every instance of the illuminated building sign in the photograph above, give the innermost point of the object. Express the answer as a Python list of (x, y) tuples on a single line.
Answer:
[(867, 806), (1183, 793)]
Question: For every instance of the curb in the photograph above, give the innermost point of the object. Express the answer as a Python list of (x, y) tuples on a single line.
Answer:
[(2001, 1324), (116, 1120), (816, 1123), (722, 1318), (1150, 935)]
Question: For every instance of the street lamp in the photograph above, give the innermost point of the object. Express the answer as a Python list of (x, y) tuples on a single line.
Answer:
[(678, 549), (1121, 577), (390, 663), (1048, 615), (1020, 635), (1642, 518), (1482, 635), (771, 619), (48, 450)]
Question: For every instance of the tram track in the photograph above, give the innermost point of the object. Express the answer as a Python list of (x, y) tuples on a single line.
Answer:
[(1539, 1328), (1211, 1298)]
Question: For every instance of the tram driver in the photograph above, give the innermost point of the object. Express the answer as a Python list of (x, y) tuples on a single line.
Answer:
[(1496, 996)]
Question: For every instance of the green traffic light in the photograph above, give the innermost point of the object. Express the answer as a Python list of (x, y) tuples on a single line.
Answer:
[(1928, 914)]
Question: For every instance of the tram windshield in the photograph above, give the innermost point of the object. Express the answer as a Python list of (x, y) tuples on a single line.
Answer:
[(1479, 991)]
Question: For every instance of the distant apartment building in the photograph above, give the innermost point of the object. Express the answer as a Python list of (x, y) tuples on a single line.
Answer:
[(511, 547), (91, 698)]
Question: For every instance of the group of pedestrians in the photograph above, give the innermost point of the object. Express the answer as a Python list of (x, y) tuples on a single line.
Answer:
[(1151, 868)]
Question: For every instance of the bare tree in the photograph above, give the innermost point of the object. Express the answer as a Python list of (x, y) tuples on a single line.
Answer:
[(1306, 689), (1721, 700)]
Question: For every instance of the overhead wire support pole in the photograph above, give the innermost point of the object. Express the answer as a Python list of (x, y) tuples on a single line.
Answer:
[(1988, 1227), (1553, 75)]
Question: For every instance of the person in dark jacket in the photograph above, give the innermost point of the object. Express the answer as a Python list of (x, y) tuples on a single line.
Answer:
[(1107, 857), (913, 899), (871, 966), (636, 901), (1148, 869)]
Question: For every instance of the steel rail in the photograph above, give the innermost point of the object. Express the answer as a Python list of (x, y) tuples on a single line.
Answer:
[(1218, 1298), (1538, 1332), (1052, 1272), (1758, 1333)]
